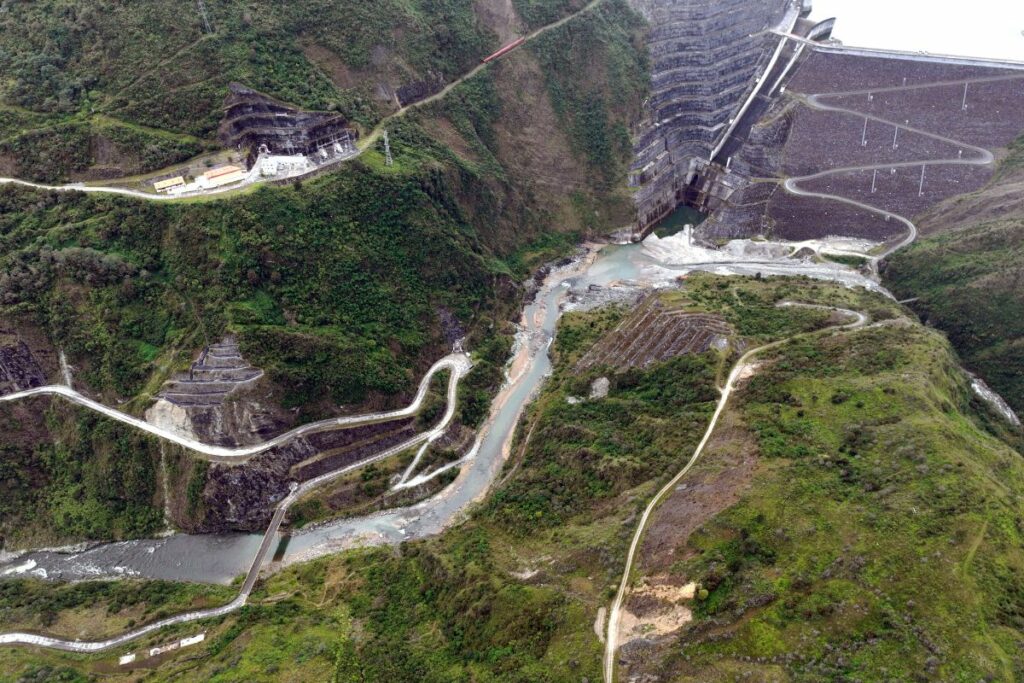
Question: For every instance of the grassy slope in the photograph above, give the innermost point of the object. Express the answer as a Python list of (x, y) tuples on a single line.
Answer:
[(880, 537), (511, 595), (967, 272)]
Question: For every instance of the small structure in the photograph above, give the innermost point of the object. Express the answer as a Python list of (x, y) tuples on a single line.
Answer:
[(222, 175), (169, 184), (276, 165)]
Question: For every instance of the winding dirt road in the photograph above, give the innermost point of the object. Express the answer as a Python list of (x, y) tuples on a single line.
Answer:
[(982, 157), (615, 613)]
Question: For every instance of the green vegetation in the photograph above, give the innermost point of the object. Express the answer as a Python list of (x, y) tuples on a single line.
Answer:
[(334, 287), (537, 13), (42, 606), (73, 150), (966, 272), (594, 450), (71, 70), (846, 259), (879, 538), (80, 477), (332, 290), (599, 45), (967, 282), (155, 63), (506, 596)]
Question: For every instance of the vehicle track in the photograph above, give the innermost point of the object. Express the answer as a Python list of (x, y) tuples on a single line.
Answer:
[(614, 614)]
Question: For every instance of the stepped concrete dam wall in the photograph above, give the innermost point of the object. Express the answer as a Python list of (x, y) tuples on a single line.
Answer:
[(758, 118), (706, 59)]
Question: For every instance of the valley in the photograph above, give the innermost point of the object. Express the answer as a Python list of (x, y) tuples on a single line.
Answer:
[(395, 379)]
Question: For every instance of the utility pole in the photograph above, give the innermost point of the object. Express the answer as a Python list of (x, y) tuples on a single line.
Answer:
[(387, 150), (895, 134), (864, 135), (874, 178), (204, 15), (963, 106), (920, 189)]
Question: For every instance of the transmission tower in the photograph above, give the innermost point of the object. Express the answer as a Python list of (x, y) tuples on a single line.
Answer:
[(387, 150), (204, 15)]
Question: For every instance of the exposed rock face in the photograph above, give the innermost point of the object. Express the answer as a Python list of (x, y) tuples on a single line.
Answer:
[(19, 370), (706, 57), (242, 498), (418, 90), (252, 120), (218, 401)]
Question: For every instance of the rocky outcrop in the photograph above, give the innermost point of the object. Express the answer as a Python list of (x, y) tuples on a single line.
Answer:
[(220, 400), (19, 369), (243, 497), (421, 89)]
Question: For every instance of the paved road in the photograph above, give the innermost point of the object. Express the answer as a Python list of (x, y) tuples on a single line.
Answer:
[(980, 157), (457, 363), (614, 615)]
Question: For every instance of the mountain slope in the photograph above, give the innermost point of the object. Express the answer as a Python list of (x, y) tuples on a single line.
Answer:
[(872, 532), (967, 275)]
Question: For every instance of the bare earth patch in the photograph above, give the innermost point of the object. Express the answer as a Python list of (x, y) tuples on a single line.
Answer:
[(662, 610)]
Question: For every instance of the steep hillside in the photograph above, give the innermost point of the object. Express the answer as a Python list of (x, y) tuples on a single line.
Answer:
[(875, 533), (342, 289), (83, 80), (966, 274), (851, 471)]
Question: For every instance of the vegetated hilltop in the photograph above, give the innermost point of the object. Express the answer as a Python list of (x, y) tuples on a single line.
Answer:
[(108, 87), (966, 270), (851, 471), (343, 289)]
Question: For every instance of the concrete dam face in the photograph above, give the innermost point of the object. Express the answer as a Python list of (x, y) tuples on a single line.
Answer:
[(762, 121), (706, 58)]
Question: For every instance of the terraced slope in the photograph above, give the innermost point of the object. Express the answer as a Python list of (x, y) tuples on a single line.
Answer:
[(654, 333), (705, 58)]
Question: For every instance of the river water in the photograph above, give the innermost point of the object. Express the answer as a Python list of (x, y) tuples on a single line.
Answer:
[(615, 272)]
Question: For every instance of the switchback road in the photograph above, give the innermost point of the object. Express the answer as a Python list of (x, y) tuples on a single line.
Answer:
[(980, 157), (457, 363)]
